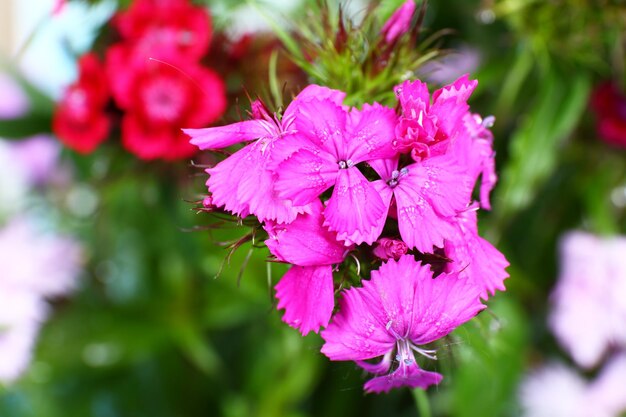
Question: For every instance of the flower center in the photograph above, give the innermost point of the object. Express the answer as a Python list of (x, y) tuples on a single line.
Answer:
[(345, 164), (395, 177), (164, 100)]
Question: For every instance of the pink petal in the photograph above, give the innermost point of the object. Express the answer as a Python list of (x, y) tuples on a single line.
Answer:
[(427, 197), (243, 185), (224, 136), (323, 124), (412, 93), (386, 193), (441, 305), (306, 294), (475, 259), (372, 131), (405, 376), (384, 167), (305, 175), (460, 90), (304, 241), (311, 92), (354, 209), (420, 227), (381, 367), (356, 331)]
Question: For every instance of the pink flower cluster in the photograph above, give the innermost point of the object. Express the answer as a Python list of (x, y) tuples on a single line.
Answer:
[(155, 79), (331, 183)]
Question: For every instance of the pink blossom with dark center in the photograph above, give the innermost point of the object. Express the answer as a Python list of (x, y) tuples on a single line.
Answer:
[(244, 182), (329, 142), (427, 194), (398, 310)]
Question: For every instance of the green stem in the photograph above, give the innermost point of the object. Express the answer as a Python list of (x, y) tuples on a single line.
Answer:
[(422, 403)]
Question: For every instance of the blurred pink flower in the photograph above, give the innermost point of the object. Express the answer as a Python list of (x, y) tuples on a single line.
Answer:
[(399, 22), (14, 102), (38, 155), (589, 313), (43, 264)]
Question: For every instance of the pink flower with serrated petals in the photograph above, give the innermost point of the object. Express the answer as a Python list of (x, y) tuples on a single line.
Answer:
[(427, 129), (306, 291), (244, 182), (332, 141), (474, 258), (428, 194), (400, 308)]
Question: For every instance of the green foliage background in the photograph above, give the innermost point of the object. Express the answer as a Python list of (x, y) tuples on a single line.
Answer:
[(153, 331)]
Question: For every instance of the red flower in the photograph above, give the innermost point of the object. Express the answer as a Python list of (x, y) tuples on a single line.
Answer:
[(162, 100), (170, 29), (79, 119), (609, 105)]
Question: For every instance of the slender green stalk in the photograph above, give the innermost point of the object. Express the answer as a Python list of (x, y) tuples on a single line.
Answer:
[(422, 403)]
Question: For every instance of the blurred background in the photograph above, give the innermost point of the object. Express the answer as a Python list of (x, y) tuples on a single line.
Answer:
[(116, 294)]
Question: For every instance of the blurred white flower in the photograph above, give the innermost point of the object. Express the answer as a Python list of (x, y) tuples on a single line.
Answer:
[(41, 263), (14, 183), (558, 391), (589, 301), (21, 315), (555, 391)]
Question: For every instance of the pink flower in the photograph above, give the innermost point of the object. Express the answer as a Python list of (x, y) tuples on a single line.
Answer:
[(426, 129), (428, 195), (38, 155), (43, 264), (330, 141), (14, 102), (244, 182), (386, 248), (589, 313), (399, 22), (400, 308), (474, 258), (306, 291)]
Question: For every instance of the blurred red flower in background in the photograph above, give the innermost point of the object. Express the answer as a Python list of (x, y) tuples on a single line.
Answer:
[(156, 80), (609, 104), (79, 119)]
